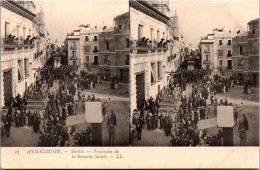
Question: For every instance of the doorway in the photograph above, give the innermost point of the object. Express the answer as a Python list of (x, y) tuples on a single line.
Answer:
[(140, 89), (95, 60), (8, 89), (229, 64)]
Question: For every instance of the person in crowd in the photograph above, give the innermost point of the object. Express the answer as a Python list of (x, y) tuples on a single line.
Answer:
[(111, 131)]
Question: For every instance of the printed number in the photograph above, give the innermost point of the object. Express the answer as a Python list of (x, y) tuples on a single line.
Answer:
[(16, 152)]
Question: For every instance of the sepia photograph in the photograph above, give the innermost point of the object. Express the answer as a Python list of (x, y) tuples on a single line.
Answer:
[(194, 71), (64, 73), (116, 83)]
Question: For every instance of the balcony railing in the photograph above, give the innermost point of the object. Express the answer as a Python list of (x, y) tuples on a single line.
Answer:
[(73, 58), (206, 51), (95, 51), (107, 62), (15, 42), (146, 45), (229, 55), (206, 62), (73, 47)]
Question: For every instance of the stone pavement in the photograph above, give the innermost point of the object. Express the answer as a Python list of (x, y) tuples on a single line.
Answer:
[(21, 136)]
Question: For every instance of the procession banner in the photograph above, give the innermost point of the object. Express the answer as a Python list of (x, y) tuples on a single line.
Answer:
[(225, 116)]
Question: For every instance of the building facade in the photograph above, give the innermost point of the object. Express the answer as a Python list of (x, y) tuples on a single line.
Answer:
[(83, 46), (23, 46), (216, 50), (246, 54), (152, 52), (115, 49)]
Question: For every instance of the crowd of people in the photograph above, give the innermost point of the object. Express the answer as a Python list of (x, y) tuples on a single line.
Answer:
[(187, 109)]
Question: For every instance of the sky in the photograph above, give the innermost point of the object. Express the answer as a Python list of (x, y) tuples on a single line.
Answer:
[(63, 16), (196, 18)]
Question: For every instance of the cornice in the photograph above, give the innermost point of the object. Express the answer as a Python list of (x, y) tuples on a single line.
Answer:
[(16, 8), (149, 10)]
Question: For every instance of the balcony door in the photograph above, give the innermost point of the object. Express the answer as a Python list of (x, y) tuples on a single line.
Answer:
[(95, 60), (8, 85), (140, 89), (140, 31)]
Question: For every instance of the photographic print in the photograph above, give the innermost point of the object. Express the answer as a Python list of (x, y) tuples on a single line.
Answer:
[(65, 73), (194, 73)]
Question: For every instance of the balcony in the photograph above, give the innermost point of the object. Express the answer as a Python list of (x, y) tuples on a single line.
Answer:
[(127, 62), (145, 45), (73, 58), (107, 62), (12, 42), (207, 51), (73, 47), (229, 55), (206, 62), (95, 51)]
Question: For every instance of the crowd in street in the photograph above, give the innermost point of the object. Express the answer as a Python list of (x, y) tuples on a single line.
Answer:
[(187, 110), (49, 120)]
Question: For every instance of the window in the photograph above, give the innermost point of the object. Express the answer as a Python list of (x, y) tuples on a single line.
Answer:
[(107, 59), (163, 35), (229, 42), (207, 67), (240, 50), (74, 44), (220, 53), (140, 31), (87, 58), (126, 25), (119, 25), (6, 29), (220, 42), (18, 31), (159, 70), (127, 43), (26, 67), (24, 29), (220, 63), (127, 60), (95, 49), (158, 36), (20, 70), (107, 45), (95, 38), (229, 53), (153, 73), (240, 63), (86, 38), (87, 49), (253, 31), (151, 34), (207, 57), (73, 53)]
